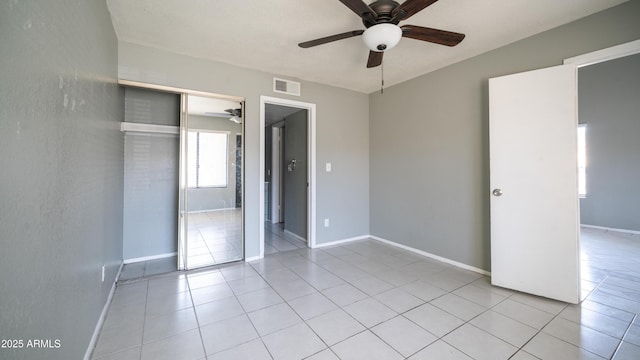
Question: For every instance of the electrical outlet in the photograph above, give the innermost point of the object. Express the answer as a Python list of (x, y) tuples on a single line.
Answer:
[(102, 273), (326, 222)]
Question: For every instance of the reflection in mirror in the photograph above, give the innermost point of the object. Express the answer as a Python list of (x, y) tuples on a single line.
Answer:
[(211, 182)]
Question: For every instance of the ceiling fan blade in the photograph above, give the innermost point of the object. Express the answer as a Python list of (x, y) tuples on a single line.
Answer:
[(441, 37), (360, 8), (410, 8), (375, 59), (328, 39)]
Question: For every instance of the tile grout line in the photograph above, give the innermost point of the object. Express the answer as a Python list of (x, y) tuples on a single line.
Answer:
[(558, 314), (338, 308), (144, 317), (397, 314), (468, 321), (615, 352), (247, 314), (303, 320), (521, 348), (195, 313)]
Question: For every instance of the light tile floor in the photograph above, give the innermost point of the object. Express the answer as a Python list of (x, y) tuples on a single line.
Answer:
[(368, 300), (276, 240), (215, 237), (148, 268)]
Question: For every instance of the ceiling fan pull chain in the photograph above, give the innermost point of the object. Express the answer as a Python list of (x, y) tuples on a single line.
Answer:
[(382, 75)]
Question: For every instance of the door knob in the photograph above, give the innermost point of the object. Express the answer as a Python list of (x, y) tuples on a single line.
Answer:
[(497, 192)]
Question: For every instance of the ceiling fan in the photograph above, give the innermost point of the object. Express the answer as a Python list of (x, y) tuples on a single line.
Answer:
[(381, 19), (236, 115)]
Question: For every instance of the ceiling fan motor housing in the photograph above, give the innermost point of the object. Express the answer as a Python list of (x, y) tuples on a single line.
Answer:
[(383, 13), (382, 31)]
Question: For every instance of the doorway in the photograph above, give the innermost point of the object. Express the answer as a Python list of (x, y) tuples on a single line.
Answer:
[(286, 178), (571, 133), (287, 161), (610, 201)]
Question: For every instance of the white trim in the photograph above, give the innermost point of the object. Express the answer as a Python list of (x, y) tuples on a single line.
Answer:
[(343, 241), (436, 257), (261, 174), (129, 127), (253, 258), (614, 52), (147, 258), (633, 232), (211, 210), (276, 178), (103, 316), (177, 90), (290, 233), (311, 200)]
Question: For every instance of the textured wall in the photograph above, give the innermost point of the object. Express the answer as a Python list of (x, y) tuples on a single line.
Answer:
[(609, 94), (150, 176), (61, 181), (430, 165)]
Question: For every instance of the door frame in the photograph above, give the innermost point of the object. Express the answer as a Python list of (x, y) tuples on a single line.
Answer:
[(599, 56), (276, 176), (182, 199), (606, 54), (311, 169)]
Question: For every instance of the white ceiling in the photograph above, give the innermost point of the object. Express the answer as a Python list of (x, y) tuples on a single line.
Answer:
[(263, 34)]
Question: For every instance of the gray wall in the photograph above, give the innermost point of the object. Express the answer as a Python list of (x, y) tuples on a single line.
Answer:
[(150, 176), (203, 199), (61, 184), (608, 104), (430, 166), (295, 181), (268, 154), (342, 134)]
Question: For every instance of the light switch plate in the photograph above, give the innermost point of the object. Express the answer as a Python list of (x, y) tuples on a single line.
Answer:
[(328, 167)]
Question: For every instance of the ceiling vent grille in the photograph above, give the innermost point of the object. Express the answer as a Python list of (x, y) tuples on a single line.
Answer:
[(286, 87)]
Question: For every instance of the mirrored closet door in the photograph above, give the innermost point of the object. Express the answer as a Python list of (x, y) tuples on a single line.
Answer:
[(211, 181)]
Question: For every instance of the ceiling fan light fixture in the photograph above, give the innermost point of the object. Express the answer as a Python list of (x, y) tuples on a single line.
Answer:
[(382, 37)]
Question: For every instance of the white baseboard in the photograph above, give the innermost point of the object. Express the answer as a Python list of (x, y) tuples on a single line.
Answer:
[(253, 258), (147, 258), (432, 256), (341, 242), (211, 210), (634, 232), (103, 316), (404, 247), (295, 236)]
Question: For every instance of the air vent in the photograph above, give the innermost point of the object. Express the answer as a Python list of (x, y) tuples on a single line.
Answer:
[(286, 87)]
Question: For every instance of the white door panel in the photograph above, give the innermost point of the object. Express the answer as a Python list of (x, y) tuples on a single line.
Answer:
[(533, 157)]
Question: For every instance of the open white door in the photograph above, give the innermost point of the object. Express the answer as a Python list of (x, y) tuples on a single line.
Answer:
[(534, 200)]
